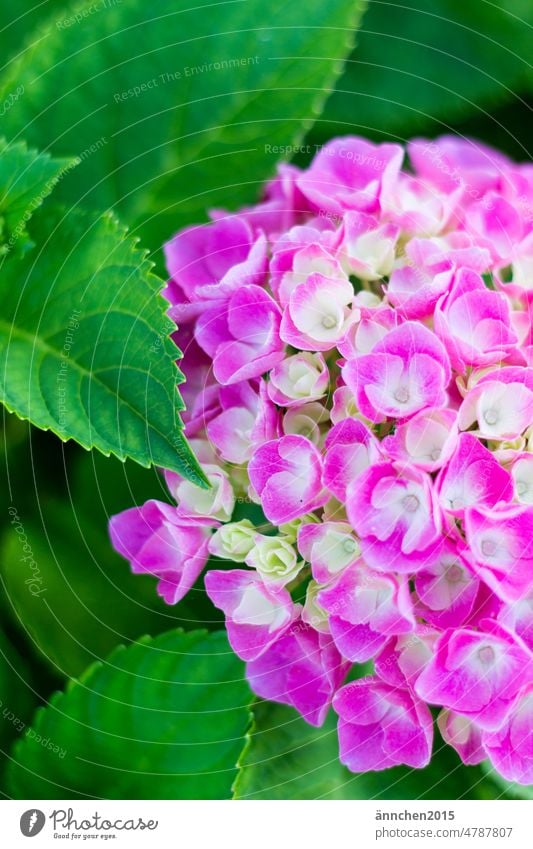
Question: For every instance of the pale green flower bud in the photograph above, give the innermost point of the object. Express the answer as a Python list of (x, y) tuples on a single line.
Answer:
[(275, 559), (233, 541)]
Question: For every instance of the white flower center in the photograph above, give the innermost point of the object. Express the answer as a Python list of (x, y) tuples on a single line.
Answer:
[(454, 573), (410, 503), (329, 321), (491, 416), (402, 395), (486, 655), (488, 548)]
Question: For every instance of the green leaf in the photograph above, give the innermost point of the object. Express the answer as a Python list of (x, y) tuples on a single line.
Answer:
[(85, 344), (289, 759), (26, 179), (420, 66), (178, 107), (70, 591), (17, 696), (163, 719), (18, 19)]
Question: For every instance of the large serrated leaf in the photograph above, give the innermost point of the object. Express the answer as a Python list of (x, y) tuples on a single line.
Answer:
[(288, 759), (26, 179), (163, 719), (177, 107), (85, 343)]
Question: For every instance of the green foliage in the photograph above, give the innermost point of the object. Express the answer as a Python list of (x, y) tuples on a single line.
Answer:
[(419, 66), (289, 759), (17, 695), (73, 594), (85, 343), (163, 719), (174, 112), (19, 20), (26, 179)]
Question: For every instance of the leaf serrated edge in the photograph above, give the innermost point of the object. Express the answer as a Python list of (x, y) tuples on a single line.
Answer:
[(75, 682), (62, 164), (139, 260)]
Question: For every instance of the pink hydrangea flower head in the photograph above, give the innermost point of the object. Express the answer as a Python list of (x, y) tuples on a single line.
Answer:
[(501, 545), (394, 511), (365, 608), (358, 348), (302, 669), (351, 173), (382, 726), (476, 673), (286, 473), (256, 615), (407, 371), (156, 542)]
